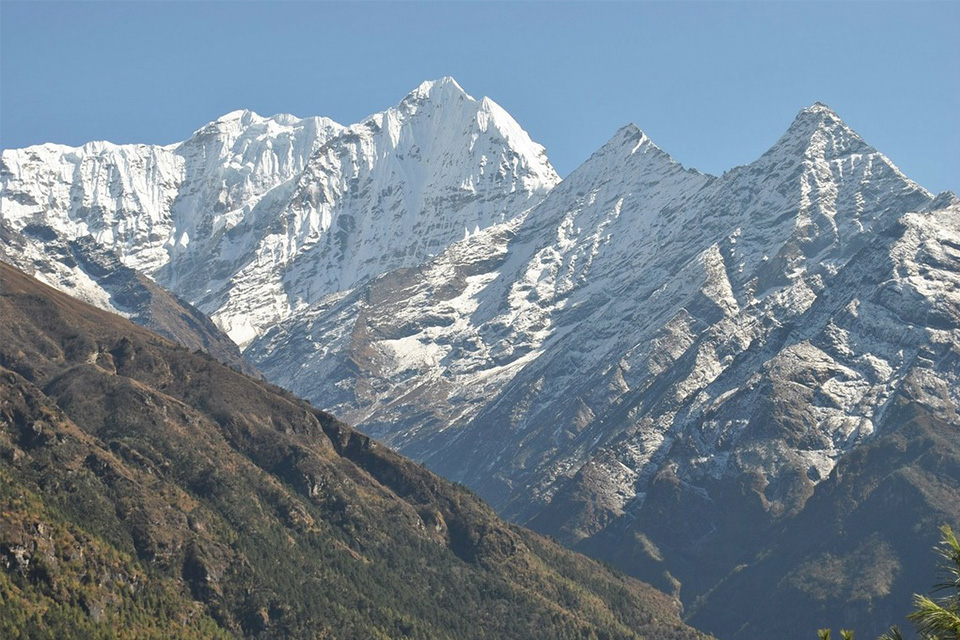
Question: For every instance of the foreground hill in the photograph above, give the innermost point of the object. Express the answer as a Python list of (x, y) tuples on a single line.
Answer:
[(151, 489), (93, 273)]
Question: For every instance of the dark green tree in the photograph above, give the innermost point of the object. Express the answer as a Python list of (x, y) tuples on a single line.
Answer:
[(938, 618)]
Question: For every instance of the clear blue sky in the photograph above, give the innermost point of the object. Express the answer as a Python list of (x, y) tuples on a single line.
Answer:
[(714, 84)]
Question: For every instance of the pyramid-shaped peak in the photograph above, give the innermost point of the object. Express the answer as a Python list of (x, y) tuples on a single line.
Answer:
[(630, 130), (820, 107), (445, 88), (445, 81), (629, 151), (631, 139), (818, 131), (440, 116), (819, 116)]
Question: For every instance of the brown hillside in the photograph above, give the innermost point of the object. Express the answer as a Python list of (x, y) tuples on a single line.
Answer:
[(150, 491)]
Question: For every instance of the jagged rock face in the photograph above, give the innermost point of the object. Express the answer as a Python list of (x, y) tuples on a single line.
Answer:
[(253, 217), (468, 321), (596, 329), (864, 542), (652, 350)]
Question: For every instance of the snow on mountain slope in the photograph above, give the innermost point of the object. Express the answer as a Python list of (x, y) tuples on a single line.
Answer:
[(748, 453), (755, 253), (147, 202), (654, 364), (657, 366), (96, 275), (390, 192), (582, 339), (467, 321), (253, 217)]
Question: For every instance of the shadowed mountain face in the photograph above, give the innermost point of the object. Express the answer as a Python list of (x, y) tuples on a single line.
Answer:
[(863, 543), (657, 366), (152, 489)]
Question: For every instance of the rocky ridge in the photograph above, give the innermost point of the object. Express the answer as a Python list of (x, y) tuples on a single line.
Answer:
[(655, 365), (252, 217)]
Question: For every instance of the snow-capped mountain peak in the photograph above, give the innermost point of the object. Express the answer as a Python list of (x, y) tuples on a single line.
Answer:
[(818, 132), (575, 347), (243, 116), (627, 159), (442, 89), (632, 140), (440, 113), (253, 217)]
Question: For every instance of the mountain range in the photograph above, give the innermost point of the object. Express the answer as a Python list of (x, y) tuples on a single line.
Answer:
[(148, 491), (254, 218), (672, 371)]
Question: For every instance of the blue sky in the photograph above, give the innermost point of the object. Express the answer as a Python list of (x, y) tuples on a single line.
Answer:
[(714, 84)]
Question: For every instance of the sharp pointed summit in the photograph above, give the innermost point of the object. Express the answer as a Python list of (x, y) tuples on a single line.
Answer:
[(446, 85), (254, 217), (629, 136), (633, 138), (443, 91), (817, 131), (821, 107), (629, 156)]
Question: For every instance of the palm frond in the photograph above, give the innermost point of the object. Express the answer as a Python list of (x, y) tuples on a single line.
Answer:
[(933, 619), (949, 550)]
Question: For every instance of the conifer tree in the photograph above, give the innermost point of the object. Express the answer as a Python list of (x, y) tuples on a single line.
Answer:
[(938, 618)]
